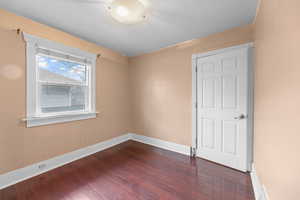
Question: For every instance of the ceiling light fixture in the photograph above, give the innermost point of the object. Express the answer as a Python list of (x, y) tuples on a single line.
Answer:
[(122, 11), (128, 11)]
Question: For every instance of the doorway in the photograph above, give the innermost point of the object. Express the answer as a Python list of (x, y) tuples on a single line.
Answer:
[(222, 106)]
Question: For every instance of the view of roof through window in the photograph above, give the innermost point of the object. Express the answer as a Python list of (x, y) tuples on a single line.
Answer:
[(66, 69)]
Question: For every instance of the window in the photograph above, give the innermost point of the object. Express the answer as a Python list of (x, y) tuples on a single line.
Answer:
[(60, 82)]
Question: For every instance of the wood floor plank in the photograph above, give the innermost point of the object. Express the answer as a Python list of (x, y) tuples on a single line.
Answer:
[(135, 171)]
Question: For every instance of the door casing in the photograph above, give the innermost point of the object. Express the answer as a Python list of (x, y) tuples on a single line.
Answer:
[(250, 92)]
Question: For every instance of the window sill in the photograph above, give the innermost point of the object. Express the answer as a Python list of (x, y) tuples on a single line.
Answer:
[(54, 119)]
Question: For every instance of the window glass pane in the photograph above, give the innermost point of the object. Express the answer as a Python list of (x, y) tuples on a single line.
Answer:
[(54, 70), (60, 98)]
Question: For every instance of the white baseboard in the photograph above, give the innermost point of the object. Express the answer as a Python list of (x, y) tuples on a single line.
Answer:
[(259, 189), (21, 174), (179, 148)]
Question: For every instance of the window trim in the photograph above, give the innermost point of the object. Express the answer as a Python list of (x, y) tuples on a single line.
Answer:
[(33, 119)]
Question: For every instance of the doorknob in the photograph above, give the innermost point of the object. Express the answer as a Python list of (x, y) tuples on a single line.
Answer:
[(242, 116)]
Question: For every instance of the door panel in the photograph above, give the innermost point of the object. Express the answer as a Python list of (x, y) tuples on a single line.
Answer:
[(229, 92), (209, 92), (207, 67), (229, 136), (222, 96), (229, 64), (209, 131)]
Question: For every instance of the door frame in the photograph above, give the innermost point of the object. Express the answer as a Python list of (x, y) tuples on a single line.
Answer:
[(250, 86)]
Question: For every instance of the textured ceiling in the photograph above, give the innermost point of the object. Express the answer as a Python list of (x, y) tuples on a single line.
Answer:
[(169, 21)]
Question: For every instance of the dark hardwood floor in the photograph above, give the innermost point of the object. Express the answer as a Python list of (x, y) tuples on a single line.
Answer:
[(133, 171)]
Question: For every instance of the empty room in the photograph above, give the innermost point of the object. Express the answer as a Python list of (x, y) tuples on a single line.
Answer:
[(149, 100)]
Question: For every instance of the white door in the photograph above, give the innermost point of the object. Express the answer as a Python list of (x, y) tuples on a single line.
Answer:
[(222, 111)]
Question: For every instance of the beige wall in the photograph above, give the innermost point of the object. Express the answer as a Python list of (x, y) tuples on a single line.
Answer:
[(161, 85), (277, 98), (20, 146)]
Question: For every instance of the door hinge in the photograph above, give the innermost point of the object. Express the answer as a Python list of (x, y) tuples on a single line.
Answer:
[(196, 69)]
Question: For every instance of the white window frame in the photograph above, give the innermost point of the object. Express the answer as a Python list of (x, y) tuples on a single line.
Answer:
[(33, 116)]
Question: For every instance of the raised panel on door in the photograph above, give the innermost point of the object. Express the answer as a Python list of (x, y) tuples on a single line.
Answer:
[(229, 91), (208, 92), (229, 64), (229, 136), (206, 67), (208, 133)]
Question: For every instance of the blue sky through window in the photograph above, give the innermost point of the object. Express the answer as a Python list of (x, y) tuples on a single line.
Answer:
[(64, 68)]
